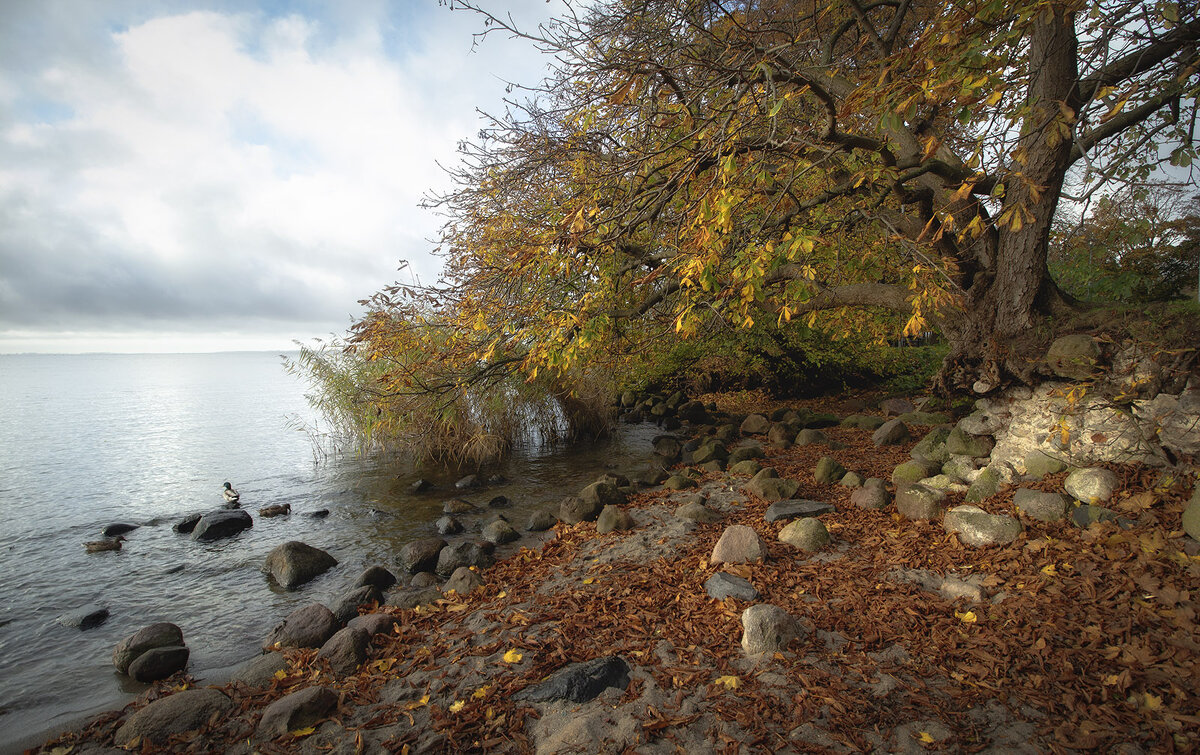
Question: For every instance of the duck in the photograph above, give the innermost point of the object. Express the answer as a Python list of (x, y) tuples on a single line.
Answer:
[(107, 544), (231, 495)]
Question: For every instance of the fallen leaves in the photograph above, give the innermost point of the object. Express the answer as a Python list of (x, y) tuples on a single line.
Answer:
[(512, 656)]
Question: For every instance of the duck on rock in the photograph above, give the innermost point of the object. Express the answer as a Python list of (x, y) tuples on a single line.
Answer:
[(231, 495), (108, 544)]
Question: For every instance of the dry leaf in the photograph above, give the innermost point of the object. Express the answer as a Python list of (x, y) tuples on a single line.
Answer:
[(457, 705), (303, 732), (924, 737), (968, 617), (1049, 570), (512, 656), (730, 682)]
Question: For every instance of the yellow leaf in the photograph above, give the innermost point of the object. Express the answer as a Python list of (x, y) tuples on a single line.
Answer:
[(589, 580), (730, 682), (924, 737), (1049, 570), (303, 732), (512, 656), (1151, 702), (481, 693), (502, 594), (419, 704), (280, 674), (457, 705), (967, 618)]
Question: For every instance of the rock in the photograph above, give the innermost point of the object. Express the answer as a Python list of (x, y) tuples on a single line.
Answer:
[(978, 528), (423, 579), (318, 514), (650, 477), (118, 528), (1038, 464), (747, 467), (260, 672), (500, 532), (694, 412), (158, 663), (456, 506), (220, 524), (579, 682), (448, 525), (293, 563), (780, 435), (463, 581), (896, 406), (919, 502), (891, 433), (346, 607), (628, 399), (374, 623), (679, 482), (299, 710), (768, 486), (805, 534), (278, 509), (1074, 357), (306, 627), (745, 453), (574, 510), (961, 468), (468, 482), (945, 483), (463, 554), (724, 585), (767, 629), (828, 470), (179, 713), (913, 471), (421, 555), (377, 577), (1085, 515), (186, 525), (540, 521), (964, 444), (421, 486), (1095, 485), (738, 544), (933, 446), (613, 519), (851, 480), (985, 486), (1036, 504), (424, 596), (1191, 515), (755, 424), (346, 650), (160, 635), (871, 496), (863, 422), (498, 502), (781, 511), (668, 447), (821, 419), (601, 494), (808, 437), (924, 418), (86, 617), (707, 452), (697, 512)]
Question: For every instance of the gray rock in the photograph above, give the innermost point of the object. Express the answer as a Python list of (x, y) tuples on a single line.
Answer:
[(448, 525), (851, 480), (805, 534), (724, 585), (463, 581), (160, 635), (891, 433), (574, 510), (187, 525), (540, 521), (978, 528), (296, 711), (379, 622), (181, 712), (767, 629), (463, 554), (293, 563), (913, 471), (933, 446), (828, 470), (377, 577), (650, 477), (668, 446), (346, 650), (796, 509), (470, 481), (456, 506), (158, 663), (424, 579), (747, 467), (500, 532), (924, 418), (601, 494), (421, 555), (984, 487), (1085, 515), (346, 607), (613, 519), (119, 528), (260, 671), (919, 502), (709, 452), (768, 486), (579, 682), (85, 617), (946, 483), (1036, 504), (961, 468), (863, 422), (1092, 486), (896, 406), (961, 443), (306, 627), (421, 486), (697, 512), (780, 435), (712, 466), (809, 437), (755, 424), (216, 525), (412, 598), (1075, 356), (744, 453), (871, 497), (1039, 464), (738, 544)]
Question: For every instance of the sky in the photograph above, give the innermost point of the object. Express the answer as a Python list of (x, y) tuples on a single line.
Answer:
[(211, 176)]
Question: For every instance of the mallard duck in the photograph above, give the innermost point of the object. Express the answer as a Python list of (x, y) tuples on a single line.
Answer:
[(231, 495), (276, 510), (108, 544)]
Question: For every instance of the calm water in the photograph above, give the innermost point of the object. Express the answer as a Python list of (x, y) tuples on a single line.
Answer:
[(88, 440)]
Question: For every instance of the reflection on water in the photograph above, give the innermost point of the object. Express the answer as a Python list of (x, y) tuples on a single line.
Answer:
[(87, 440)]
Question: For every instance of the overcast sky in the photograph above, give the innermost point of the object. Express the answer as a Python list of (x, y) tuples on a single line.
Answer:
[(198, 176)]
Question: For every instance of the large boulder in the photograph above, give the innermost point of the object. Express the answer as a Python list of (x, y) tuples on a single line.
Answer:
[(377, 577), (986, 484), (161, 635), (767, 629), (978, 528), (781, 511), (346, 650), (601, 494), (919, 502), (1092, 486), (755, 424), (914, 471), (541, 520), (306, 627), (805, 534), (464, 554), (961, 443), (346, 607), (84, 617), (579, 682), (500, 532), (421, 555), (463, 581), (158, 663), (448, 525), (293, 563), (872, 495), (613, 519), (828, 470), (1074, 357), (260, 671), (933, 446), (573, 510), (182, 712), (769, 486), (1037, 504), (299, 710), (891, 433), (222, 523), (738, 544)]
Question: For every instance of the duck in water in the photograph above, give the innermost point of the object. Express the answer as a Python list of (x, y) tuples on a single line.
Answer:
[(108, 544), (231, 495)]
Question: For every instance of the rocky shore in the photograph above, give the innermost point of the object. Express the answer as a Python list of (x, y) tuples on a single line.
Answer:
[(830, 575)]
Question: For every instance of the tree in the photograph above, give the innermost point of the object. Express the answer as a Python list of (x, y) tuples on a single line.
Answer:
[(692, 164)]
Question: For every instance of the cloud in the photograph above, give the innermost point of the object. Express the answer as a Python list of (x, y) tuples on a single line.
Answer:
[(214, 170)]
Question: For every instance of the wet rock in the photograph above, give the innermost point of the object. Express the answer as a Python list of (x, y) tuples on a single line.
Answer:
[(1085, 515), (448, 525), (650, 477), (346, 650), (601, 494), (377, 577), (724, 585), (697, 512), (346, 607), (317, 514), (1036, 504), (85, 617), (613, 519), (500, 532), (158, 663), (919, 502), (871, 496), (668, 446), (306, 627), (421, 486), (421, 555), (298, 710), (795, 509), (1038, 464), (181, 712), (187, 524), (119, 528), (220, 524), (293, 563), (374, 623), (579, 682), (160, 635), (423, 579), (456, 506), (464, 554), (978, 528), (828, 470), (768, 486), (463, 581), (499, 502), (413, 597), (1074, 356), (574, 510), (806, 534), (738, 544), (1092, 486), (710, 452), (260, 672), (767, 629), (891, 433), (468, 482), (542, 520)]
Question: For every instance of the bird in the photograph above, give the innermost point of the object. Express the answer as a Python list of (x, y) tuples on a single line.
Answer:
[(108, 544), (231, 495)]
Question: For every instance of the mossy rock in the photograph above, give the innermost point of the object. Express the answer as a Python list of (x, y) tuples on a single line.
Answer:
[(924, 418)]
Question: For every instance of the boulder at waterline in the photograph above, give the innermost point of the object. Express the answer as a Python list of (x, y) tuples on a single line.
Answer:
[(500, 532), (421, 555), (540, 521), (181, 712), (710, 451), (1037, 504), (299, 710), (601, 494), (796, 508), (160, 635), (306, 627), (464, 554), (216, 525), (724, 585), (317, 514), (697, 512), (738, 544), (1038, 464), (463, 581), (499, 502), (871, 496), (260, 671), (459, 506), (668, 446), (891, 433), (573, 510), (374, 623), (755, 424), (421, 486), (613, 519), (767, 629), (648, 478), (186, 525), (412, 598), (978, 528), (768, 486), (293, 563), (158, 663), (119, 528), (85, 617), (377, 577), (345, 608), (470, 481), (828, 470), (346, 650), (806, 534), (919, 502), (448, 525), (579, 682), (1095, 485), (423, 579), (1074, 356)]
